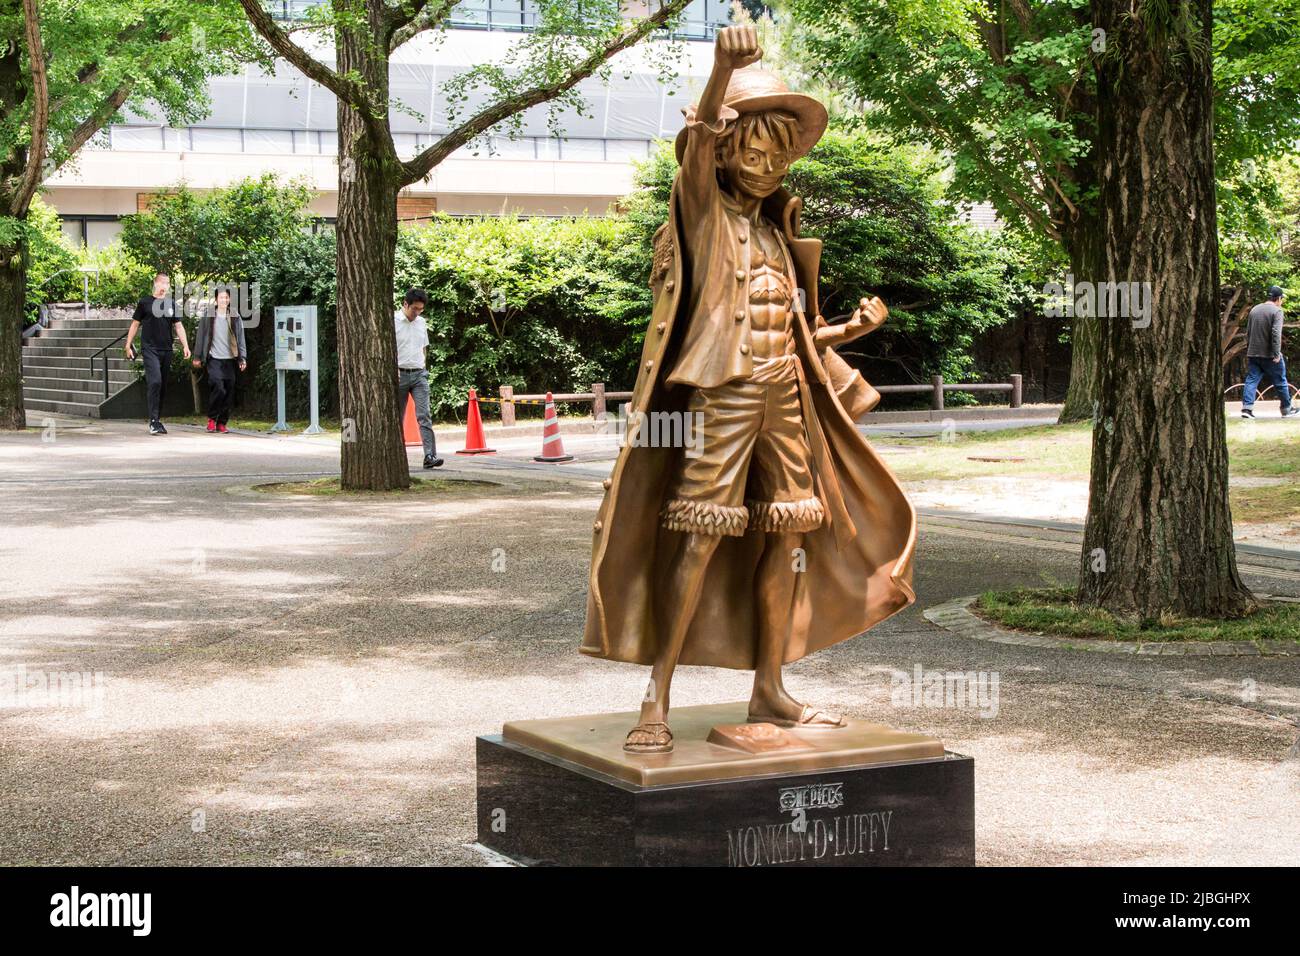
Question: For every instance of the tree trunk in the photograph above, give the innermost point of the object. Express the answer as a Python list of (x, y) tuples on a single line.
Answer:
[(13, 299), (1158, 539), (1084, 248), (374, 455)]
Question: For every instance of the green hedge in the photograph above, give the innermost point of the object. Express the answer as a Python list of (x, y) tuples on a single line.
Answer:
[(569, 309)]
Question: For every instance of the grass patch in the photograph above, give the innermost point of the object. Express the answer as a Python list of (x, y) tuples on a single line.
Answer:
[(1272, 503), (1256, 449), (1265, 448), (1049, 451), (258, 424), (1052, 611), (1261, 448), (328, 487)]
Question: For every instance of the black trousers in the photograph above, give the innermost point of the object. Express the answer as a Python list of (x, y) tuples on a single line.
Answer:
[(157, 366), (221, 389)]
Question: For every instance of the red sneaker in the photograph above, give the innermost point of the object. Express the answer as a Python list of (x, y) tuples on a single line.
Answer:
[(212, 426), (222, 428)]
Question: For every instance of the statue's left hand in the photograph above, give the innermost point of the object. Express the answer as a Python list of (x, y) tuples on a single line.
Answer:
[(867, 317)]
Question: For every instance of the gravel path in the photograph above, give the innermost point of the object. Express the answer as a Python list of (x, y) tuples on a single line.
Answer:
[(294, 681)]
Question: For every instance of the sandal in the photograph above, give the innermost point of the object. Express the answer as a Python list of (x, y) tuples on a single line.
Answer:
[(655, 736), (809, 719)]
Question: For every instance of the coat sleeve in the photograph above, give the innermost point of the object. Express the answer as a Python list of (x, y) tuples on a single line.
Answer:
[(200, 350), (239, 335), (698, 180)]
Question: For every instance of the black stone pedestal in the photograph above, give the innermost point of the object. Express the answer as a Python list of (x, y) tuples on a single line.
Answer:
[(541, 809)]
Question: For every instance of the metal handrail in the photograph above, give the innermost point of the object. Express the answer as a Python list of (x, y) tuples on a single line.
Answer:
[(104, 352)]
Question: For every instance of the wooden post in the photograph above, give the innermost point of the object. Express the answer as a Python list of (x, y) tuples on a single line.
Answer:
[(937, 402), (507, 405), (598, 401), (1017, 390)]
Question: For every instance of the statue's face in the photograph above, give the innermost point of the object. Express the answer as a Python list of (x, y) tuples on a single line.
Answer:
[(756, 166)]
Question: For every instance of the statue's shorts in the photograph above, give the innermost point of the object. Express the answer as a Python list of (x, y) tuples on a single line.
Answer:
[(754, 470)]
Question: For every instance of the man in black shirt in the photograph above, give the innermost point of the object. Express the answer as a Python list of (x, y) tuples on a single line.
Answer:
[(155, 317)]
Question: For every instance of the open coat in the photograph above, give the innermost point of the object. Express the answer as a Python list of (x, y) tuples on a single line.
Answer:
[(858, 564)]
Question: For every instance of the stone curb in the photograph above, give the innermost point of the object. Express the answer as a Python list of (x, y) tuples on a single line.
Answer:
[(969, 413), (956, 616)]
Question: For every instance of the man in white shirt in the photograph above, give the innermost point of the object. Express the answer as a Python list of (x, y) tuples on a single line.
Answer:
[(412, 378)]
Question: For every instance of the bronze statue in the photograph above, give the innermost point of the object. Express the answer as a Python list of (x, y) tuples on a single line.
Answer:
[(786, 533)]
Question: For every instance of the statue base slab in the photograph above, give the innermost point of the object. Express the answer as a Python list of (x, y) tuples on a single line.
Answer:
[(562, 791)]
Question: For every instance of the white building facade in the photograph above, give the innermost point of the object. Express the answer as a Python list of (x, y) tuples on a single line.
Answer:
[(285, 124)]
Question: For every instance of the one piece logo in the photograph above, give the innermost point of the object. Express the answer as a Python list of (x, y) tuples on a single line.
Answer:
[(817, 796)]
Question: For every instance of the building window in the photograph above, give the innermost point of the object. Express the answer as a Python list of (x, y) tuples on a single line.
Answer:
[(283, 142), (74, 230), (95, 231), (700, 20), (206, 140)]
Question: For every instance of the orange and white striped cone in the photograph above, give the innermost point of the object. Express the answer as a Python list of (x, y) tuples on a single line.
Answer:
[(475, 440), (552, 446), (410, 426)]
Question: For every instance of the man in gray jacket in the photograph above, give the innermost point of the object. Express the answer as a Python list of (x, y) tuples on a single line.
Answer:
[(1264, 355)]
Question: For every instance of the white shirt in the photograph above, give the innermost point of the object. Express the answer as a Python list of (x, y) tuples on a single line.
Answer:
[(412, 337)]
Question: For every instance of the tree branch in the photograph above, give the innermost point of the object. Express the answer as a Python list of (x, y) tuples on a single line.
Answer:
[(424, 17), (40, 118), (995, 40), (1025, 17), (351, 92), (90, 72), (1035, 215), (404, 12), (424, 163), (99, 117)]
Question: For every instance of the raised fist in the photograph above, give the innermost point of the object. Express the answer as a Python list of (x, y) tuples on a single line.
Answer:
[(736, 47), (869, 314)]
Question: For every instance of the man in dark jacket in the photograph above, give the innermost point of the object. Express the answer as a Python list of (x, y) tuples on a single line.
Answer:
[(1264, 355), (219, 347), (156, 318)]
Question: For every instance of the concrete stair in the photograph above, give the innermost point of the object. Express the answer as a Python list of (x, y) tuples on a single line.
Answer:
[(57, 373)]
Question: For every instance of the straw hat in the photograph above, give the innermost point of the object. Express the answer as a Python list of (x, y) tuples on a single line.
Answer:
[(753, 90)]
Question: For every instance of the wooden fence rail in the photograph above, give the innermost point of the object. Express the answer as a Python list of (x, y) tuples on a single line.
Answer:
[(600, 398), (938, 386)]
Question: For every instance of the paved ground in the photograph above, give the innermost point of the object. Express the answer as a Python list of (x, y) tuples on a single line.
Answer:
[(301, 680)]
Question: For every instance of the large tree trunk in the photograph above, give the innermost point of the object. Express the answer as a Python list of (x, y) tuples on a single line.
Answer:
[(374, 455), (1084, 247), (13, 298), (13, 259), (1159, 533)]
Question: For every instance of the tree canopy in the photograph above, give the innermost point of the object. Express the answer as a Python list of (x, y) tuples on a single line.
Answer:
[(217, 235)]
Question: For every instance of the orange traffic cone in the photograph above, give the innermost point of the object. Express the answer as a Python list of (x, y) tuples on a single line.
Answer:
[(410, 427), (552, 446), (475, 441)]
